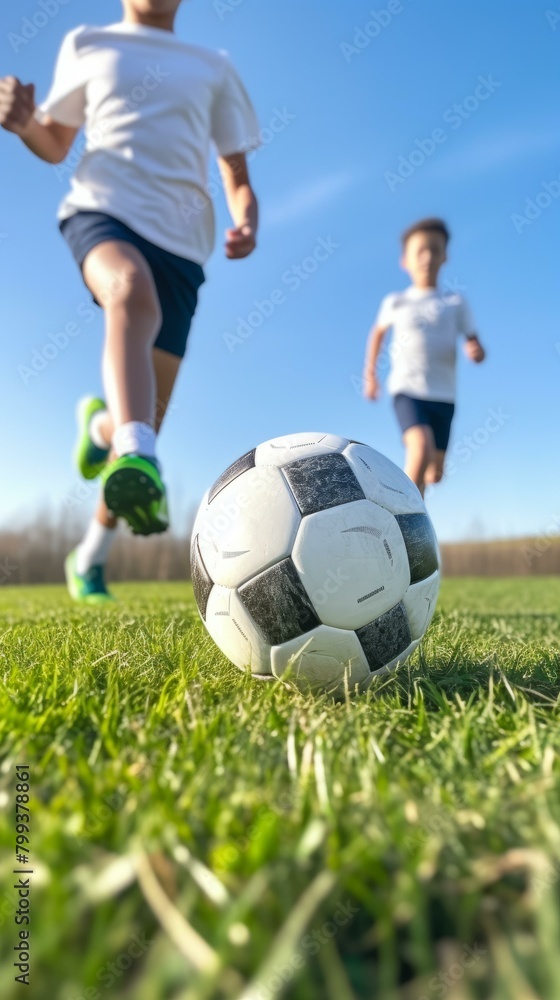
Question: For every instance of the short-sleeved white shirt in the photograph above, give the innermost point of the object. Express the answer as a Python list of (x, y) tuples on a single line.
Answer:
[(426, 324), (151, 105)]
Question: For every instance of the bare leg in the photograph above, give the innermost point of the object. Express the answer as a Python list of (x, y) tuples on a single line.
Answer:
[(166, 368), (434, 472), (420, 451), (121, 280)]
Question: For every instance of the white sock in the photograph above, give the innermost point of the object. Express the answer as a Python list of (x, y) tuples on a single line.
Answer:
[(135, 438), (94, 549), (95, 431)]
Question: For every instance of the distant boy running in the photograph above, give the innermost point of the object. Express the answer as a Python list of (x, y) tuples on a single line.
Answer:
[(426, 323), (141, 227)]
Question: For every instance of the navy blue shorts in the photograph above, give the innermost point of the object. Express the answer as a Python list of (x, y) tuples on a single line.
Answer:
[(428, 413), (177, 280)]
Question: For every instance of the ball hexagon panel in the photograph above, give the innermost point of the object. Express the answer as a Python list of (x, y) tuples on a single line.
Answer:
[(352, 562), (421, 545), (235, 633), (420, 602), (285, 450), (382, 481), (386, 639), (250, 525), (278, 603), (324, 659)]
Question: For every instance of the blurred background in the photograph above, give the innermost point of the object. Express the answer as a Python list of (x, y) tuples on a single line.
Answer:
[(348, 96)]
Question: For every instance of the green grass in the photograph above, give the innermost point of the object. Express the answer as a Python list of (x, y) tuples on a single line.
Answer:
[(351, 850)]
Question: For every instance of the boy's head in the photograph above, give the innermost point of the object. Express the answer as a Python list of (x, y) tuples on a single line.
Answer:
[(151, 11), (425, 251)]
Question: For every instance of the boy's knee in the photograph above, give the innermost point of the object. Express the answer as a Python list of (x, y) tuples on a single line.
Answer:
[(134, 288)]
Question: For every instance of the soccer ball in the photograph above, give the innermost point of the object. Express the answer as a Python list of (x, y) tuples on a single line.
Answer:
[(314, 560)]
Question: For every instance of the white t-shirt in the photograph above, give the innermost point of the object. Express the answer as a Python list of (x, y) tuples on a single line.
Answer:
[(151, 105), (426, 324)]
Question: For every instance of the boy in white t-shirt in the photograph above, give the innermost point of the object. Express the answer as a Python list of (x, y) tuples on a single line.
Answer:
[(426, 324), (141, 227)]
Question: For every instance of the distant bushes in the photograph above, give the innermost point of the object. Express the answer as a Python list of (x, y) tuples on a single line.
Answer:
[(36, 553), (512, 557)]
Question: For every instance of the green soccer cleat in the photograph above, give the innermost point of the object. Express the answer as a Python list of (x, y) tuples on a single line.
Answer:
[(134, 490), (90, 459), (86, 588)]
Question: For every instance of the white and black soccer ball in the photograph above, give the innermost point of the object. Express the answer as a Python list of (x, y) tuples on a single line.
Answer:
[(313, 558)]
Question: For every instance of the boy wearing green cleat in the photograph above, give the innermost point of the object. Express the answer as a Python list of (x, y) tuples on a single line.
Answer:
[(141, 227)]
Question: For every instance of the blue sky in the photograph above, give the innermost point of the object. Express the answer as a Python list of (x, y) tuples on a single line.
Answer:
[(351, 99)]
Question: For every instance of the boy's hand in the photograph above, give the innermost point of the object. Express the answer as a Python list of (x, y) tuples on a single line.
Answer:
[(17, 104), (372, 388), (240, 242), (474, 350)]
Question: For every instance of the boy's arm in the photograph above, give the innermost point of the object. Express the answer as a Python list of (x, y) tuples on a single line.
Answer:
[(371, 384), (49, 141), (474, 349), (243, 206)]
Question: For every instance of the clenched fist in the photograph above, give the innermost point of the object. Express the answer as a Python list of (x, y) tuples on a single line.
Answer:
[(17, 104), (474, 350)]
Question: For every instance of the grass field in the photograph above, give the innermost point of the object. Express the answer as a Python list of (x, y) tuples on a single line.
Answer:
[(198, 836)]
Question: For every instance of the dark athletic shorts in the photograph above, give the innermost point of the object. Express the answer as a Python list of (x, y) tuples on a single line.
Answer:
[(177, 280), (428, 413)]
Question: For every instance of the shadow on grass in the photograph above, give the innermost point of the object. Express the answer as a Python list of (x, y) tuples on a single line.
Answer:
[(468, 680)]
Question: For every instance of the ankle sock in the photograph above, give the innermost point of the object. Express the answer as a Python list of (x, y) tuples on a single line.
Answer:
[(93, 550), (95, 430), (135, 438)]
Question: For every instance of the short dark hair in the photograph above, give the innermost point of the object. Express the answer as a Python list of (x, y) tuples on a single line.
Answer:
[(426, 226)]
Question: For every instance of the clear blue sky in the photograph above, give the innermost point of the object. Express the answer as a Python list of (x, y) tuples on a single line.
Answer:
[(352, 115)]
